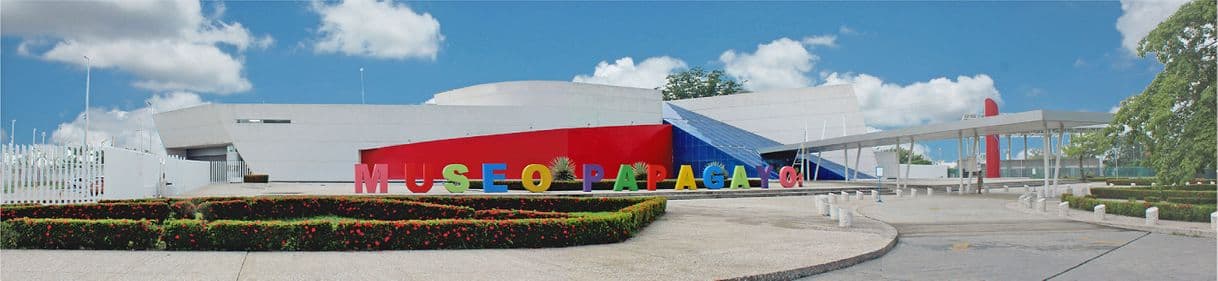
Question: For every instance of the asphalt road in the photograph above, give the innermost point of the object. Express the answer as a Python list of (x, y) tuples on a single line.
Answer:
[(982, 241)]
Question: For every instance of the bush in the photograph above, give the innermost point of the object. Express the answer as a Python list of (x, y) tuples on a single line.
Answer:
[(501, 214), (152, 210), (640, 170), (262, 208), (529, 222), (1140, 193), (183, 209), (257, 178), (1167, 211), (106, 234), (563, 168)]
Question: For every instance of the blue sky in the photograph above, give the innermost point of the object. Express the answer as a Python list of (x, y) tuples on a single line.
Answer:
[(1051, 55)]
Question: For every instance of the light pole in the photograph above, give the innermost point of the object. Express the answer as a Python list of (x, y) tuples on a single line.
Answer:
[(362, 99), (88, 69), (34, 137), (12, 133), (44, 137)]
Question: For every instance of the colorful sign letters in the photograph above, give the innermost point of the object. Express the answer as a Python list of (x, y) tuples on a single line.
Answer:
[(538, 178)]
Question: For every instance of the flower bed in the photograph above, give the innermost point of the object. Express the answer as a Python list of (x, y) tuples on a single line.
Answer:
[(326, 223)]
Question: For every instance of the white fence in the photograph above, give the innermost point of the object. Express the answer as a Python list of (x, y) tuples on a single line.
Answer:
[(50, 174)]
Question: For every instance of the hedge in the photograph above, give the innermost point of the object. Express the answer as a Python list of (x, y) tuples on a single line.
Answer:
[(105, 234), (153, 210), (558, 185), (262, 208), (1143, 194), (1167, 211), (606, 220)]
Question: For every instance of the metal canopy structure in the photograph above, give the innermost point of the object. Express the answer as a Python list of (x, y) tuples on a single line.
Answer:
[(1034, 122), (968, 134)]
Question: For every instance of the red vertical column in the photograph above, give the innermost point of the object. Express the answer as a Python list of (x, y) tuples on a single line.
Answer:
[(992, 163)]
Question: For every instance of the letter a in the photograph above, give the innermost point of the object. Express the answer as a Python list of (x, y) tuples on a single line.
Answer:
[(685, 178)]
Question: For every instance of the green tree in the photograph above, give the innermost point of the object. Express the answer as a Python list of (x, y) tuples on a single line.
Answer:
[(1173, 118), (918, 159), (697, 82), (1087, 145)]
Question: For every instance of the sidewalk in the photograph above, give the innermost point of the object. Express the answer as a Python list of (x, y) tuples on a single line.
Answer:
[(1195, 229)]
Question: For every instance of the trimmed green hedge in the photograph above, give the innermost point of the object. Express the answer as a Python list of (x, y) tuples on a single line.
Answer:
[(538, 222), (263, 208), (1167, 211), (558, 185), (105, 234), (1153, 194), (156, 211)]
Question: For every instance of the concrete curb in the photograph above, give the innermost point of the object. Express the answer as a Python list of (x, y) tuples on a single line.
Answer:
[(802, 272), (1079, 216)]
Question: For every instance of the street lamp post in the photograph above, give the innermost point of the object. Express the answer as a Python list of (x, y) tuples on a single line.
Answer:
[(88, 69), (12, 132), (362, 99)]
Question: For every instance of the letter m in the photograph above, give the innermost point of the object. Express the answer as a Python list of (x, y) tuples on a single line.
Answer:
[(369, 182)]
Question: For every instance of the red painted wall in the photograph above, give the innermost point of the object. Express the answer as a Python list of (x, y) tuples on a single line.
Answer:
[(992, 162), (607, 146)]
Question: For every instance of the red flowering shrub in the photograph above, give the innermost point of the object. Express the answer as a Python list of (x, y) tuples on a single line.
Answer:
[(363, 223), (136, 211), (500, 214), (262, 208), (103, 234)]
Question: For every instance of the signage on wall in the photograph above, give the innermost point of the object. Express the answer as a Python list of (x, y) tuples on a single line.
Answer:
[(537, 178)]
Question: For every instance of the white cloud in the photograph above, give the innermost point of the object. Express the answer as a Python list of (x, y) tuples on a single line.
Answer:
[(1140, 17), (780, 64), (1079, 62), (822, 40), (846, 30), (650, 73), (378, 29), (162, 65), (125, 128), (168, 45), (937, 100)]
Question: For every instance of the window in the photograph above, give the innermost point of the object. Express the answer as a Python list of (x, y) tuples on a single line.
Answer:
[(264, 121)]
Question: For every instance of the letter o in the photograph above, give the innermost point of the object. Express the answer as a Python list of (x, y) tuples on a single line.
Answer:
[(526, 177), (787, 177)]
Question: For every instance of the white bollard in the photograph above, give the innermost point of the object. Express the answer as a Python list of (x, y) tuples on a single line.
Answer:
[(1040, 205), (1006, 188), (875, 195), (1026, 201), (858, 195), (960, 191), (1152, 216), (1100, 210), (1133, 184), (832, 198), (1214, 220), (948, 189), (833, 211), (913, 193), (824, 205), (818, 203), (845, 217), (898, 191), (930, 192), (1063, 209), (845, 196)]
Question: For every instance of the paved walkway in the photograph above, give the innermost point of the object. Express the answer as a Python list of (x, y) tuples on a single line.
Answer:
[(696, 240), (976, 237)]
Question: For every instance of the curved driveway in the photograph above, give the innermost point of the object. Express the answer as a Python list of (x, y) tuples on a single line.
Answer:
[(978, 238)]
